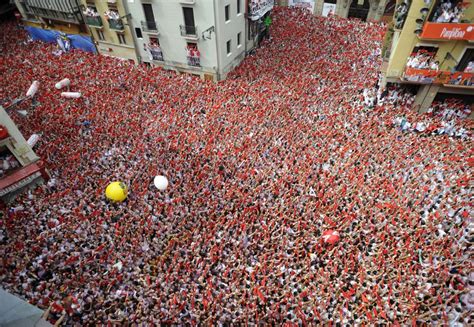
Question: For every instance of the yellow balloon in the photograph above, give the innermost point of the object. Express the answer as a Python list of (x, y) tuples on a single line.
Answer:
[(116, 191)]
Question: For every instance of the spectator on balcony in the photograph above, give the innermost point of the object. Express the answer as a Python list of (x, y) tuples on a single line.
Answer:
[(422, 60), (155, 50), (449, 13), (434, 64), (470, 67), (401, 13), (112, 14), (91, 12)]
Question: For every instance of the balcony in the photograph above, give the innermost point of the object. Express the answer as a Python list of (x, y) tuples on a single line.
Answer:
[(150, 27), (189, 32), (156, 53), (187, 2), (94, 21), (446, 78), (194, 61), (116, 24), (447, 31), (258, 8)]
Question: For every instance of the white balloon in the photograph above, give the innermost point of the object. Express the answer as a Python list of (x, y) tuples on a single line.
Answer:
[(71, 95), (34, 138), (63, 83), (33, 88), (161, 182)]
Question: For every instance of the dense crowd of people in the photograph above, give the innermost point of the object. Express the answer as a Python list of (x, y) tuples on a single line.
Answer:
[(423, 60), (260, 166), (449, 11)]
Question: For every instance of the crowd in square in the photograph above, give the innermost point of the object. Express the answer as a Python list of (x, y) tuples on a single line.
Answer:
[(260, 166)]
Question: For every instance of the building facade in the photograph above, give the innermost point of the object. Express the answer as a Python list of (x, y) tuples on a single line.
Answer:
[(202, 37), (109, 24), (370, 10), (64, 16), (430, 46), (20, 167)]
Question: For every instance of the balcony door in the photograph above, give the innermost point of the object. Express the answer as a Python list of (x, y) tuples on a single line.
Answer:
[(149, 16), (189, 20), (359, 9)]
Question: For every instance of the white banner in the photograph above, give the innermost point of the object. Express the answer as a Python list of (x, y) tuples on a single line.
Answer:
[(329, 8), (308, 4)]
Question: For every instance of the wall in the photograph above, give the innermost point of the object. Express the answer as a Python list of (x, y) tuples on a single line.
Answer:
[(228, 31), (111, 45), (407, 40)]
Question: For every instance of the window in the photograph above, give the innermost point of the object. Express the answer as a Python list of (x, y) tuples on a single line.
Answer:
[(121, 38), (138, 32), (149, 16), (238, 38), (238, 6), (227, 13), (100, 35), (228, 47)]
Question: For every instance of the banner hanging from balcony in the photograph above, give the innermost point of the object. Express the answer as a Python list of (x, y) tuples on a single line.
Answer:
[(448, 31), (258, 8), (430, 76), (74, 41), (307, 4)]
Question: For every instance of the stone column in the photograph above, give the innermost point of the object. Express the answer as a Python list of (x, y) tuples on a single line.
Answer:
[(425, 96), (318, 7), (377, 9), (342, 8)]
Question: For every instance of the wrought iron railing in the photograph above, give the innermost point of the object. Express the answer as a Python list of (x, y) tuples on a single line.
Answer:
[(194, 61), (188, 30), (94, 21), (149, 26)]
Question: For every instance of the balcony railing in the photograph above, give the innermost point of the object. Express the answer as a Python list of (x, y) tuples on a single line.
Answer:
[(447, 31), (116, 24), (188, 31), (156, 54), (194, 61), (151, 27), (94, 21), (430, 76)]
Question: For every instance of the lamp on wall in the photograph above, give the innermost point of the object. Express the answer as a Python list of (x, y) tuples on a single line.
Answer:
[(209, 30)]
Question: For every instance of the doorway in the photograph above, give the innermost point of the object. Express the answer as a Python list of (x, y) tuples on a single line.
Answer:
[(359, 9)]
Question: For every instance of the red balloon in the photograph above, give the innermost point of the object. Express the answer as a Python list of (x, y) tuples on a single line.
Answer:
[(331, 237)]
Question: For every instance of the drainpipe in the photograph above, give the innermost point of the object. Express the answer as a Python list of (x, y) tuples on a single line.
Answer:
[(216, 17), (132, 30)]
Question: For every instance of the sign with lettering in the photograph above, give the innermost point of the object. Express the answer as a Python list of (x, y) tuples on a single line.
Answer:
[(448, 31)]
